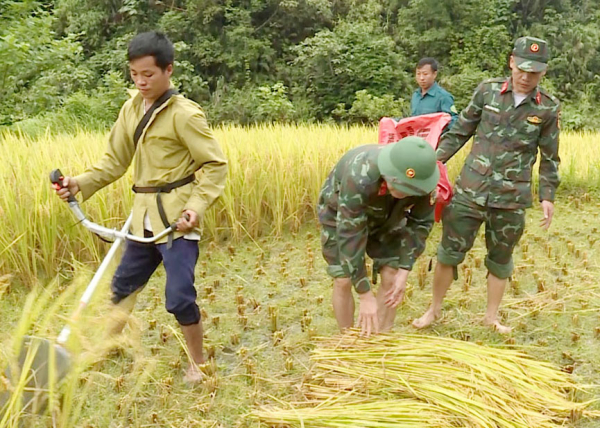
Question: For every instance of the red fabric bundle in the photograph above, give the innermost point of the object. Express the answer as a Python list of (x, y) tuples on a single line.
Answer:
[(429, 127)]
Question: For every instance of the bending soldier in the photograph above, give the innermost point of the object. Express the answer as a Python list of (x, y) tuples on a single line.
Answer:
[(378, 200)]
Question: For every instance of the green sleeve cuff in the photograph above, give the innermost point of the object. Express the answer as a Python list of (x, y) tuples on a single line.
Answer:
[(547, 195), (363, 285)]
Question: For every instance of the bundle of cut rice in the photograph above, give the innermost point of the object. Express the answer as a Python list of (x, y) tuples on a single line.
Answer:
[(425, 381)]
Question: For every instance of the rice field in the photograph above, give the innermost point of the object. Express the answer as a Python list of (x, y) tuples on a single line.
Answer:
[(265, 297), (275, 174)]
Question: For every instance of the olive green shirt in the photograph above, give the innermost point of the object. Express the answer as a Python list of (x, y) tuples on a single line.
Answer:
[(506, 141), (175, 143)]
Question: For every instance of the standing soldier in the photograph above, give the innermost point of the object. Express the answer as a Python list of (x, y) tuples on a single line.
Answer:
[(377, 200), (179, 171), (510, 120)]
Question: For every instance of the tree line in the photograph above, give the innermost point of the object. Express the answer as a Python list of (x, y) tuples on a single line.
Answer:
[(63, 62)]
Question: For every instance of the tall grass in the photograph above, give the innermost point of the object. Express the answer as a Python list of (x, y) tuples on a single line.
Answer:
[(275, 174)]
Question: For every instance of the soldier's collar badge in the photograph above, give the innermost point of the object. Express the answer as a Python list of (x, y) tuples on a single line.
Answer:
[(410, 173), (383, 190), (534, 119)]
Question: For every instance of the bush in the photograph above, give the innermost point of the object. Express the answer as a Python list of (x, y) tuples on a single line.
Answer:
[(267, 103), (368, 108), (462, 85), (80, 110), (335, 65)]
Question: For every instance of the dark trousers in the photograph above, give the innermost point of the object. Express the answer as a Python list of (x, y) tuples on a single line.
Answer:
[(141, 260)]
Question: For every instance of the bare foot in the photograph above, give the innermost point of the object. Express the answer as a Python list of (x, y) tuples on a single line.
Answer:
[(495, 324), (427, 319), (386, 329), (193, 375)]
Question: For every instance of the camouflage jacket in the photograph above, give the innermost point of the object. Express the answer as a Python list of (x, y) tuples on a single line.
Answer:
[(354, 190), (497, 171)]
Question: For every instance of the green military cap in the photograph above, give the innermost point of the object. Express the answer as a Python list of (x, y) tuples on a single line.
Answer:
[(531, 54), (409, 166)]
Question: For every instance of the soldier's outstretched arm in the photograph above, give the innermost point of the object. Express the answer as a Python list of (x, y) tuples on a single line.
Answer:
[(463, 129), (549, 159), (352, 236)]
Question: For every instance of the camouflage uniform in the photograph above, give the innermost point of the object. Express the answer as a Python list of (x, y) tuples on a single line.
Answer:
[(356, 218), (494, 185)]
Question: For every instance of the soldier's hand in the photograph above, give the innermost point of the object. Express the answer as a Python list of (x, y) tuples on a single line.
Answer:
[(548, 210), (70, 187), (367, 314), (188, 221), (395, 295)]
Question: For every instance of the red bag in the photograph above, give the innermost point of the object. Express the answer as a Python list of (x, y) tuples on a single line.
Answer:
[(429, 127), (444, 192)]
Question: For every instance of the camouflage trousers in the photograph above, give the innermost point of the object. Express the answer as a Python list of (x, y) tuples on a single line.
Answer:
[(503, 229), (382, 248)]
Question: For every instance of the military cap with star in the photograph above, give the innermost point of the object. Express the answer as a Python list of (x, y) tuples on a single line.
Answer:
[(409, 166), (531, 54)]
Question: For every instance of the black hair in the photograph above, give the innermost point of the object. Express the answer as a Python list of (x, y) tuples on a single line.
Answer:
[(153, 44), (428, 61)]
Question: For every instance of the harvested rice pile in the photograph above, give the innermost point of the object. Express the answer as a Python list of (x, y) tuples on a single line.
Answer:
[(424, 381)]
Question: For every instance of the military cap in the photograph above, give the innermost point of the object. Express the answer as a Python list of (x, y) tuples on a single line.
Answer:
[(531, 54), (409, 166)]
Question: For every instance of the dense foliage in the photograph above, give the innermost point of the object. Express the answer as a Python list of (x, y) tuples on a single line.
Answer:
[(63, 62)]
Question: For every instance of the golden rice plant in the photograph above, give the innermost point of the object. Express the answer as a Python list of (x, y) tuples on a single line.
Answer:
[(41, 309), (360, 413), (275, 175), (458, 383)]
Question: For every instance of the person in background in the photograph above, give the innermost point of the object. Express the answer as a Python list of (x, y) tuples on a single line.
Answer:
[(431, 97)]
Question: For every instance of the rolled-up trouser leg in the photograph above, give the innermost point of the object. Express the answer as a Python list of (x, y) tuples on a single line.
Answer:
[(460, 223), (137, 265), (180, 262), (503, 230)]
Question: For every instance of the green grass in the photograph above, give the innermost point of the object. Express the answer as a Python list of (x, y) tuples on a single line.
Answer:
[(140, 384)]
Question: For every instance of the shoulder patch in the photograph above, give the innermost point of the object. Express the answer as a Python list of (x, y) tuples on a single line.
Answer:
[(548, 96)]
